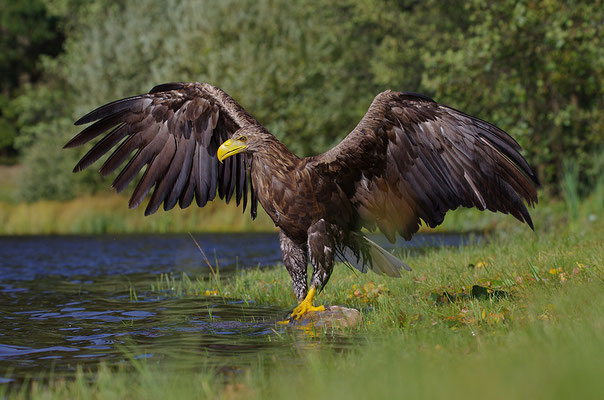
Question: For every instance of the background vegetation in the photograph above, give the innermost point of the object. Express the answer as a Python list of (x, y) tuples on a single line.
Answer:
[(307, 70)]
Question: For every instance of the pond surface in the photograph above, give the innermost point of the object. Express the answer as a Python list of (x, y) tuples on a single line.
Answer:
[(65, 302)]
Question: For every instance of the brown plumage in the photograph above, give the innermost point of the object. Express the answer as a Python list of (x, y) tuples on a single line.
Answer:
[(408, 160)]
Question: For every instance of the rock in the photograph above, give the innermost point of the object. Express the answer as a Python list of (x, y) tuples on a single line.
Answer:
[(332, 317)]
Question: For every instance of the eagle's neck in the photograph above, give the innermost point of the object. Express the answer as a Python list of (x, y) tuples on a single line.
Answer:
[(273, 173), (275, 155)]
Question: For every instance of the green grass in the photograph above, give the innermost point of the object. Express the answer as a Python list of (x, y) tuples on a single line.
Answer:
[(519, 262), (536, 332), (107, 212)]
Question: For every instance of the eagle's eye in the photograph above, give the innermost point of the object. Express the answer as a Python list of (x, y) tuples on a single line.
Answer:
[(242, 139)]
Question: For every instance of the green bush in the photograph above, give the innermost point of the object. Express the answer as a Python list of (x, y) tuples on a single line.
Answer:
[(308, 71)]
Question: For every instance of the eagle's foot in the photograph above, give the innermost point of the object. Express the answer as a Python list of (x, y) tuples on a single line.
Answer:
[(306, 306), (303, 308)]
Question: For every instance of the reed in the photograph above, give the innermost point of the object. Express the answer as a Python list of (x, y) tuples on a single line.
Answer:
[(109, 213)]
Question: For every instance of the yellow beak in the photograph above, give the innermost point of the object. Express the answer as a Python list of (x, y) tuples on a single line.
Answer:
[(230, 148)]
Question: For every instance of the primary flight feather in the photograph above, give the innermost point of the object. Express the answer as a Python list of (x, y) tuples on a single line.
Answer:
[(408, 160)]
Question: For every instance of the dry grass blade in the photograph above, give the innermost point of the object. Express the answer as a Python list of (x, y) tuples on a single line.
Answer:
[(208, 263)]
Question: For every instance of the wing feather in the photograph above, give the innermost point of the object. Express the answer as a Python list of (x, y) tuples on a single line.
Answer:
[(149, 144), (187, 148), (166, 183), (186, 196), (96, 129), (411, 159), (162, 156), (174, 132), (102, 147)]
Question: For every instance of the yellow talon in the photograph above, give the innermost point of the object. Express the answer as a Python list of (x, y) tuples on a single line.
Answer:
[(303, 308), (306, 305)]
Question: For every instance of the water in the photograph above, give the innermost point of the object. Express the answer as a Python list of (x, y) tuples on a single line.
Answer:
[(33, 257), (65, 302)]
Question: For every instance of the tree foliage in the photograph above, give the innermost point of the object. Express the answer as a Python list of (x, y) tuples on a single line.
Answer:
[(535, 68), (308, 71), (27, 31)]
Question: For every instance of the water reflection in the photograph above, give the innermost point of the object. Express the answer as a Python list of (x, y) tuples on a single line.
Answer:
[(77, 324), (31, 257)]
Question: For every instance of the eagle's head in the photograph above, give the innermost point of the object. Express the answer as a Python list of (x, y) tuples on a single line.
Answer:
[(246, 140)]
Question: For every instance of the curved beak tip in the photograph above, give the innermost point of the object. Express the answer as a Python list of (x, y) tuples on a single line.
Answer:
[(229, 148)]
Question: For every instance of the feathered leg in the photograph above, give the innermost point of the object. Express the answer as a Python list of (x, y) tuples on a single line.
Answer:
[(321, 249), (295, 260)]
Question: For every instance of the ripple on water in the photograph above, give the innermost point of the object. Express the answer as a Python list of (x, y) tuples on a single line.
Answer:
[(66, 302), (66, 331)]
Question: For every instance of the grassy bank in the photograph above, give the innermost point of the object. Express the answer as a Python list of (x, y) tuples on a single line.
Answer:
[(109, 213), (517, 317), (515, 264)]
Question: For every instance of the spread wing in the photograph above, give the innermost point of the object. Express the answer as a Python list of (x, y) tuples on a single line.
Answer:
[(412, 159), (175, 130)]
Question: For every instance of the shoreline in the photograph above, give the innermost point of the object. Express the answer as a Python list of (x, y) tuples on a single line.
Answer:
[(536, 323)]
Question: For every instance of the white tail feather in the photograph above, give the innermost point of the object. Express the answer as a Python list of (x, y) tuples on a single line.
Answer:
[(382, 262)]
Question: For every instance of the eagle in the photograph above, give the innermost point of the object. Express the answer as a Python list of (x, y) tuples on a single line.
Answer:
[(409, 160)]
